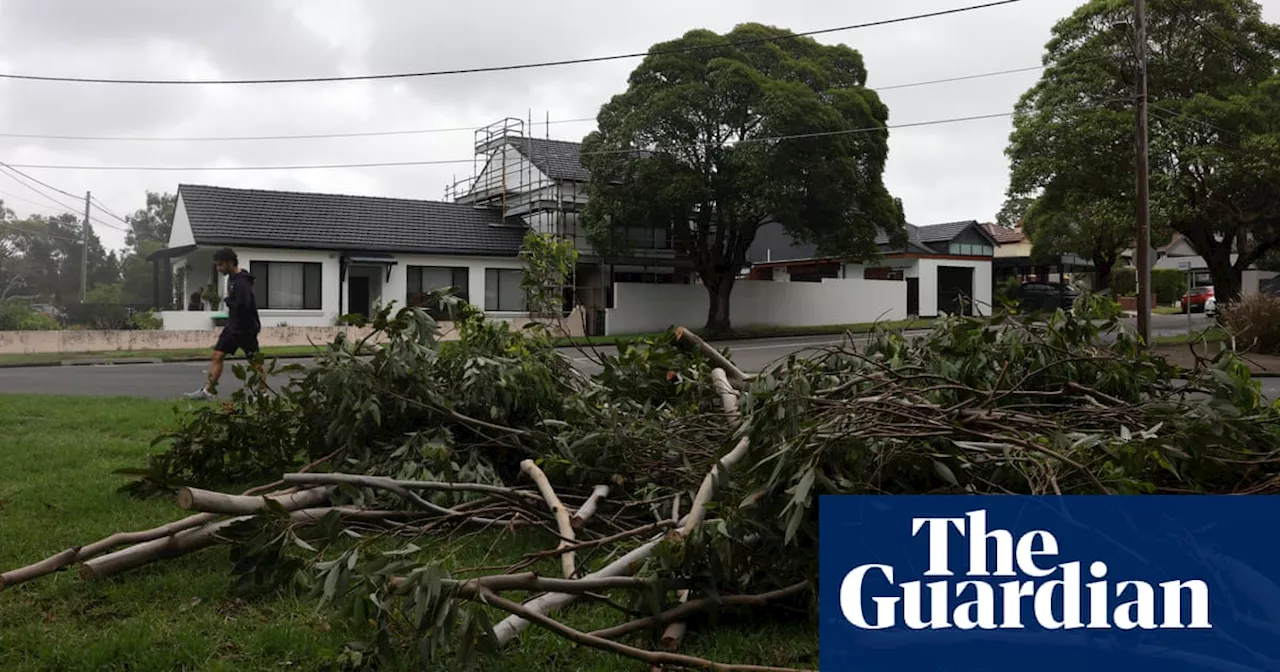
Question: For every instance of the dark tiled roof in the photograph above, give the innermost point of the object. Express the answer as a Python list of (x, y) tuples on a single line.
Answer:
[(225, 216), (933, 233), (559, 159)]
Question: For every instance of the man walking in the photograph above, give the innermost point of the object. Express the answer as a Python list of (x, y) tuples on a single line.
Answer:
[(243, 325)]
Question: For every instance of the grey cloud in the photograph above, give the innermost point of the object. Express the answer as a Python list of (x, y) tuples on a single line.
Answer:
[(942, 172)]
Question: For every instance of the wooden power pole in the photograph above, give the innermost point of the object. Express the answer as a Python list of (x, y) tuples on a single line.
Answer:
[(84, 250), (1143, 205)]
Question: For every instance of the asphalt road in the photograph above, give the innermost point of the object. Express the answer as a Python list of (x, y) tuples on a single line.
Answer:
[(171, 380), (167, 381)]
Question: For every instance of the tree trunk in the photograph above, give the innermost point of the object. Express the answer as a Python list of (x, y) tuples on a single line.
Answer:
[(718, 306), (1227, 279), (1103, 280)]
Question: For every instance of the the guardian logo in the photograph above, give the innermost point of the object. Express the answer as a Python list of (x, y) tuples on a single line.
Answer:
[(1038, 588)]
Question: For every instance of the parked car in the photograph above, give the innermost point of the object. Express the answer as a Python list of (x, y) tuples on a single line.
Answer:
[(1046, 296), (1196, 298), (52, 311), (1210, 307)]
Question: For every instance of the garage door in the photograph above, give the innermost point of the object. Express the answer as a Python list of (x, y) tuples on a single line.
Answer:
[(955, 290)]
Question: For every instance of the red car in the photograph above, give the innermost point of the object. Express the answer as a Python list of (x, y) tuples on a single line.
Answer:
[(1196, 298)]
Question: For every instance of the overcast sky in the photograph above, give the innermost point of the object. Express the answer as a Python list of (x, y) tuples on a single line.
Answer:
[(942, 173)]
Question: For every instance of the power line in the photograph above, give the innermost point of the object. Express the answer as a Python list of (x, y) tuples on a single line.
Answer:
[(49, 198), (103, 207), (68, 194), (427, 131), (501, 68), (440, 162), (1210, 30), (1201, 122)]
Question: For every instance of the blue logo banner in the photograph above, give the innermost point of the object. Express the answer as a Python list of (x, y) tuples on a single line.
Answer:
[(1076, 583)]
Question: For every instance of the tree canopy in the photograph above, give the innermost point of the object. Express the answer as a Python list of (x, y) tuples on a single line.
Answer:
[(710, 144), (40, 256), (1214, 129)]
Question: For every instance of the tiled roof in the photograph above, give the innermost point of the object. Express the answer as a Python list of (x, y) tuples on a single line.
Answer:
[(932, 233), (559, 159), (1003, 234), (225, 216)]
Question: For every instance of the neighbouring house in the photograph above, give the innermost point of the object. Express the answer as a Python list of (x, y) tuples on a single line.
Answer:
[(1180, 255), (1013, 259), (946, 268), (319, 256)]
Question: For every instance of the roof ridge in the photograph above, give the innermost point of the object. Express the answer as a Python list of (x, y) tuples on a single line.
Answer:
[(294, 192)]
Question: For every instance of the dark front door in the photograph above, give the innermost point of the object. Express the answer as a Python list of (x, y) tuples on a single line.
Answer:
[(913, 296), (358, 295), (955, 290)]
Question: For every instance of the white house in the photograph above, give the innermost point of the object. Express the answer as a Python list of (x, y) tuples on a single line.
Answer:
[(946, 268), (1180, 255), (316, 257)]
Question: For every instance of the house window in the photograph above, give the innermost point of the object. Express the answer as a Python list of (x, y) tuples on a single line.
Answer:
[(422, 280), (287, 285), (971, 250), (502, 291)]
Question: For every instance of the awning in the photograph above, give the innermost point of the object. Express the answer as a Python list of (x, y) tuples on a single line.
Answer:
[(171, 252), (366, 259)]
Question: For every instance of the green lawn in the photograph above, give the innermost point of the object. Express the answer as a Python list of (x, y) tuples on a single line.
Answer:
[(57, 491)]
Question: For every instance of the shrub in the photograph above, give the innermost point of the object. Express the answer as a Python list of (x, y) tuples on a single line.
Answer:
[(1254, 321), (1167, 284), (145, 320), (1124, 281), (18, 317)]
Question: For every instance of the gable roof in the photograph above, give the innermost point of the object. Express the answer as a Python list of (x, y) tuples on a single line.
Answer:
[(290, 219), (558, 159), (919, 236)]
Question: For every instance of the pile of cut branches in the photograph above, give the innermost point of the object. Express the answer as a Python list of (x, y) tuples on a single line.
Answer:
[(670, 476)]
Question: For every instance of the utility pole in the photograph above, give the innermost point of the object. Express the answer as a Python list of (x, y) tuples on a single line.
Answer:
[(84, 250), (1143, 208)]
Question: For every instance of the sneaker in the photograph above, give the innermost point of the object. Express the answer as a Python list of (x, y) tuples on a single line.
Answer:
[(200, 395)]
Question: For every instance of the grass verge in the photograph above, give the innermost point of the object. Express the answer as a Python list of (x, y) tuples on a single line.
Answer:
[(55, 358), (57, 491)]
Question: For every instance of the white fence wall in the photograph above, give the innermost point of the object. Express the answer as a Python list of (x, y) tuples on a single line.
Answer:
[(644, 308)]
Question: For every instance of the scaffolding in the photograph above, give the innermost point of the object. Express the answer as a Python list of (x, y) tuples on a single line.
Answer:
[(505, 177)]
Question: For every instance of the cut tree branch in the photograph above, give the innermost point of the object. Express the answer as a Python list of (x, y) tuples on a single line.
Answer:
[(577, 636), (693, 606), (588, 508), (567, 534), (183, 542), (208, 501), (686, 337)]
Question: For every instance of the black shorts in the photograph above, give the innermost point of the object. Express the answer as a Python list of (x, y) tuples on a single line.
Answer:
[(229, 342)]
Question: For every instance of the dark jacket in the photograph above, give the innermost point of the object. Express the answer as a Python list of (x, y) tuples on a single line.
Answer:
[(242, 305)]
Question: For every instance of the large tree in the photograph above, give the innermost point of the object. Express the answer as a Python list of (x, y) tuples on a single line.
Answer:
[(149, 229), (714, 142), (1214, 128)]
